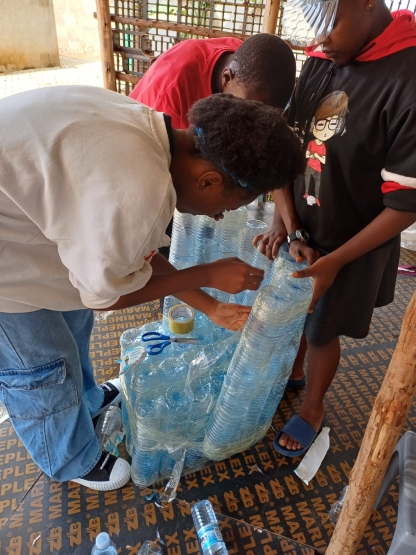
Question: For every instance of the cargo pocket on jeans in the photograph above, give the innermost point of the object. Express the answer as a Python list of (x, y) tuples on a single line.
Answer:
[(34, 393)]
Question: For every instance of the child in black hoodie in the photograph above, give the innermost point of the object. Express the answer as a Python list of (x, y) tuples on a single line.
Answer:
[(354, 109)]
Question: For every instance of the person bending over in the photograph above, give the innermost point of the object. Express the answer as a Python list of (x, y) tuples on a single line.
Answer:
[(89, 180)]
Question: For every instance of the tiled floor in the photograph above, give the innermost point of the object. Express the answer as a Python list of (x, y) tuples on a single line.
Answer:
[(71, 72)]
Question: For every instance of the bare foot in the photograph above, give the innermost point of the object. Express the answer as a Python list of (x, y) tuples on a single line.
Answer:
[(313, 416)]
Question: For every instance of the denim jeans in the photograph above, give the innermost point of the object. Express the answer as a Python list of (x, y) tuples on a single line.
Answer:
[(47, 386)]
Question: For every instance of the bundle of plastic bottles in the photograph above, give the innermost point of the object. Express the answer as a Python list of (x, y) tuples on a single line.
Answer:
[(208, 401)]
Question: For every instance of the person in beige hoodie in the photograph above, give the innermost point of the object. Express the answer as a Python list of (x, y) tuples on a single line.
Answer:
[(89, 180)]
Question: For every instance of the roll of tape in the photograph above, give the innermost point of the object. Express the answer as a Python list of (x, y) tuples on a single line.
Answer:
[(181, 319)]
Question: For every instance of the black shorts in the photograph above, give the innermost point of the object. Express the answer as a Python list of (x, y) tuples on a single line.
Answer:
[(360, 286)]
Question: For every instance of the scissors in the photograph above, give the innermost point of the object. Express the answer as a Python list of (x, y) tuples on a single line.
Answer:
[(165, 340)]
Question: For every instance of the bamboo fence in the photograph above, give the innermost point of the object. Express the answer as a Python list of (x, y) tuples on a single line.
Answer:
[(132, 34)]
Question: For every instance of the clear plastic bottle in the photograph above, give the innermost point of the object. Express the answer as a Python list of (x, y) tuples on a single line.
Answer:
[(202, 393), (336, 507), (145, 463), (104, 545), (206, 239), (181, 254), (260, 359), (246, 250), (263, 263), (231, 225), (177, 405), (207, 528), (127, 428), (108, 427), (150, 548)]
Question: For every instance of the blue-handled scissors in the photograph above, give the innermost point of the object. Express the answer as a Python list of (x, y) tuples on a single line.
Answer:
[(164, 341)]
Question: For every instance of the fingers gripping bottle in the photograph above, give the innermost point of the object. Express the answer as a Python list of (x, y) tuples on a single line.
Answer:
[(207, 528)]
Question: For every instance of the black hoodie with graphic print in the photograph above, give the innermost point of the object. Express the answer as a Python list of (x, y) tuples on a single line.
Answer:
[(358, 126)]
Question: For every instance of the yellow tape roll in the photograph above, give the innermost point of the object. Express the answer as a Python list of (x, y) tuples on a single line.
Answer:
[(181, 319)]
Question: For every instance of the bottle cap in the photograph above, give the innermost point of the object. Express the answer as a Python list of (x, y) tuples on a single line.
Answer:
[(102, 541)]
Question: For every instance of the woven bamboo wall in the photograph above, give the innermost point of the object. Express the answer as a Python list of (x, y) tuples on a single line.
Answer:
[(143, 29)]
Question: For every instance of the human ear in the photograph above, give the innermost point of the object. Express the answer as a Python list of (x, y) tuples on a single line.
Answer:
[(226, 77), (210, 179)]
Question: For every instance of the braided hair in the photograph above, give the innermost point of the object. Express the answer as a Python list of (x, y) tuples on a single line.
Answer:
[(249, 141)]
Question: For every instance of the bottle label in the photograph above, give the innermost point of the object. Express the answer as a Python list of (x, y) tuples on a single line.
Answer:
[(208, 535)]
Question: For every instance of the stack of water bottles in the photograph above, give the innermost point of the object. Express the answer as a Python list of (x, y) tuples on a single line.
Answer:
[(210, 400)]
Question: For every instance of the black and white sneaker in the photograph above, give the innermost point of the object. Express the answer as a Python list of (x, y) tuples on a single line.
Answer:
[(112, 395), (109, 473)]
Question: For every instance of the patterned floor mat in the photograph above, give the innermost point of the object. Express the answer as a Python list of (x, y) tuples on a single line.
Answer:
[(265, 507)]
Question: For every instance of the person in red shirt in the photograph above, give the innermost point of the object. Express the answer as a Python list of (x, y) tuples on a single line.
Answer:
[(261, 68)]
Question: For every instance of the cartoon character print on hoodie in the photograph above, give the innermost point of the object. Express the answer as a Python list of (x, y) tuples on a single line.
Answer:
[(328, 120), (362, 158)]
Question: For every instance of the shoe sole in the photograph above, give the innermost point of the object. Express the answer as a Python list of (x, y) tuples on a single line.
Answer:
[(104, 486)]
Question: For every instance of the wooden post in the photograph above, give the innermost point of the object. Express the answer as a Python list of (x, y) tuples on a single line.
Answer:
[(382, 433), (271, 13), (106, 44)]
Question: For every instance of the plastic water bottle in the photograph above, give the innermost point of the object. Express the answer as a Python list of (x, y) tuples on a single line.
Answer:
[(202, 393), (173, 371), (108, 427), (181, 254), (261, 358), (145, 463), (177, 405), (150, 548), (206, 239), (127, 428), (263, 263), (104, 545), (207, 528), (231, 225), (336, 507), (246, 250)]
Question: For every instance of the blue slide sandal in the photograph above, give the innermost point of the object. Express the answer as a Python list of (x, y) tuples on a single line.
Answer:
[(297, 383), (300, 431)]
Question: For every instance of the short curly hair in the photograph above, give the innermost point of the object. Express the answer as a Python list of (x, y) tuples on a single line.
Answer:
[(249, 141), (266, 62)]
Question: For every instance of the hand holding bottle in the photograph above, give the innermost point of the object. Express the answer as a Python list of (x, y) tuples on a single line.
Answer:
[(269, 243), (232, 275), (229, 316)]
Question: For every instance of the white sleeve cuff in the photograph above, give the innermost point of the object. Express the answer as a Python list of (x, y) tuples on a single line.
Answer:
[(97, 303)]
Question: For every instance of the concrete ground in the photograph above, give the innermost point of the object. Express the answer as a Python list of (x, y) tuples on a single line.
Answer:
[(72, 71)]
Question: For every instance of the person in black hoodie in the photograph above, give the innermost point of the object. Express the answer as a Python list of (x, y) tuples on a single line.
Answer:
[(345, 215)]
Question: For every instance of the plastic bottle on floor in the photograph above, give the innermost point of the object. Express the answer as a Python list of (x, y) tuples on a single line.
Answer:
[(104, 545), (336, 507), (207, 528), (150, 548), (108, 426)]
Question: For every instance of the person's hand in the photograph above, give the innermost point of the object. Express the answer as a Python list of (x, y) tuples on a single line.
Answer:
[(232, 275), (323, 272), (300, 251), (230, 316), (270, 242)]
